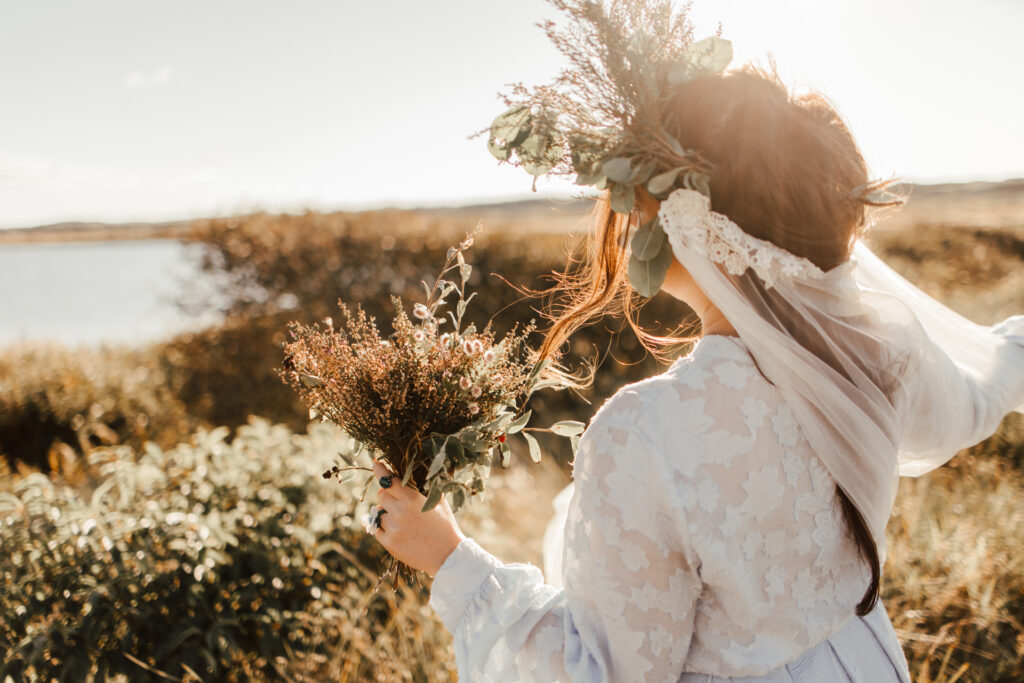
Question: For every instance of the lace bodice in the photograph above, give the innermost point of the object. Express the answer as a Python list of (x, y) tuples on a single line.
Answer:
[(702, 535)]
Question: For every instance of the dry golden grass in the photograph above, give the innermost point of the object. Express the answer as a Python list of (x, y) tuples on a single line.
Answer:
[(954, 579)]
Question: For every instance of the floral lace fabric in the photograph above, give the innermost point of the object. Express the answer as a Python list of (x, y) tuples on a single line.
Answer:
[(703, 535), (685, 215)]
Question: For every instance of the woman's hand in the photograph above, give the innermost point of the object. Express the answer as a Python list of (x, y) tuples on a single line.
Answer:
[(422, 540)]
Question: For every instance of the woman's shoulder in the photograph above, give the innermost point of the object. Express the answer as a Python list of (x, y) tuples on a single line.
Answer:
[(717, 369), (717, 379)]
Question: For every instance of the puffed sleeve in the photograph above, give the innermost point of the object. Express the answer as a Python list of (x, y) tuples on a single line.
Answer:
[(627, 609), (960, 395)]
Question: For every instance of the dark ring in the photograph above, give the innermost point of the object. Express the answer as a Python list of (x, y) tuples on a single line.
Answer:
[(380, 514), (385, 481)]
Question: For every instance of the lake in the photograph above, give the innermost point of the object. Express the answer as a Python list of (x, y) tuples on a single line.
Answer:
[(89, 293)]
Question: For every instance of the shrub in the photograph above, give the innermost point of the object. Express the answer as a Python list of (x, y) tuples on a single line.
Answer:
[(55, 402), (216, 560)]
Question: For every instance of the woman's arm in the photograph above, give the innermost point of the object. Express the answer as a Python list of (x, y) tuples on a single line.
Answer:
[(626, 612)]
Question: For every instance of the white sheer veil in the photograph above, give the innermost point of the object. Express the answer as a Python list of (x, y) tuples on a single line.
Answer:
[(883, 379)]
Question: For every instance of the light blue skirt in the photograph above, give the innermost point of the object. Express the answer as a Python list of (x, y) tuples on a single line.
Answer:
[(864, 650)]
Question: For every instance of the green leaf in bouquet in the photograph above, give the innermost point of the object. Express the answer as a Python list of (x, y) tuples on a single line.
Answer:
[(660, 184), (648, 276), (622, 198), (465, 270), (531, 441), (407, 477), (648, 240), (458, 498), (575, 442), (498, 424), (433, 498), (438, 462), (474, 440), (366, 487), (568, 428), (348, 459), (310, 380), (518, 423), (506, 453)]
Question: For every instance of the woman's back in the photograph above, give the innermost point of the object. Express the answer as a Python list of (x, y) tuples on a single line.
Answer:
[(778, 571)]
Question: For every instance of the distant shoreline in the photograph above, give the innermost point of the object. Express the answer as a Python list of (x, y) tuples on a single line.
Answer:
[(979, 203)]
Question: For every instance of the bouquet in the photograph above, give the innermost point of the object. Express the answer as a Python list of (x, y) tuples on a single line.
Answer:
[(433, 400)]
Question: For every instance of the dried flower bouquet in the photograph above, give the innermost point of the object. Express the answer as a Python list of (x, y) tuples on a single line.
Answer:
[(434, 401)]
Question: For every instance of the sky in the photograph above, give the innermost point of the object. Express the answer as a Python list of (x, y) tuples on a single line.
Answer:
[(141, 110)]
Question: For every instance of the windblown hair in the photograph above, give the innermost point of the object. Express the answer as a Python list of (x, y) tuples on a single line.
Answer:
[(785, 168)]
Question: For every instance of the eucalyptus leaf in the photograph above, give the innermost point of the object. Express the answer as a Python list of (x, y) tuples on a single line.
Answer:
[(660, 184), (509, 130), (622, 198), (433, 498), (506, 454), (518, 423), (458, 499), (575, 442), (310, 380), (541, 152), (349, 460), (711, 55), (648, 240), (642, 171), (675, 145), (438, 462), (618, 169), (648, 276), (568, 428), (708, 56), (499, 149), (531, 441), (602, 183)]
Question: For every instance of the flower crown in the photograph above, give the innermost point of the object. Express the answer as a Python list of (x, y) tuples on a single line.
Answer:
[(601, 119)]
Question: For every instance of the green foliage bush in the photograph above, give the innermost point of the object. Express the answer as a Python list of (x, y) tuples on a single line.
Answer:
[(227, 561)]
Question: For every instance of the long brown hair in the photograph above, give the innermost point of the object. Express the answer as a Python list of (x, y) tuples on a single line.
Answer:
[(785, 168)]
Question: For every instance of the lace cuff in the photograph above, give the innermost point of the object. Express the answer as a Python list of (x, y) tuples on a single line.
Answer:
[(459, 579)]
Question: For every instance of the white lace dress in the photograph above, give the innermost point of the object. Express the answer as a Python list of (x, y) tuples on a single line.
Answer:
[(703, 541)]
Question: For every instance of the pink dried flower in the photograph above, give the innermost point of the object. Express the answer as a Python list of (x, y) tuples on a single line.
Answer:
[(418, 335), (421, 311), (489, 355), (464, 383), (475, 393), (467, 347), (477, 346), (473, 408), (496, 378)]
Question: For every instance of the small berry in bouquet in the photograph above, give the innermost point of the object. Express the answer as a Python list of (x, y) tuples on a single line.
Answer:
[(434, 401)]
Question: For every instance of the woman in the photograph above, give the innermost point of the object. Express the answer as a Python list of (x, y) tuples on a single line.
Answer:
[(727, 517)]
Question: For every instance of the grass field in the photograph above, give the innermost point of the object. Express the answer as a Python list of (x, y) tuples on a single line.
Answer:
[(116, 460)]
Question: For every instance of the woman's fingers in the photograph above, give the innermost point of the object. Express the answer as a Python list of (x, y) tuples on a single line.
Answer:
[(381, 470), (394, 491)]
